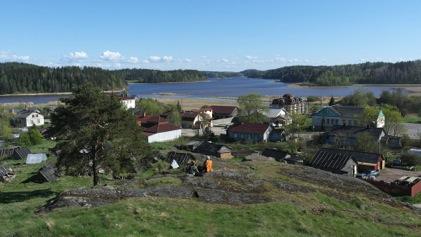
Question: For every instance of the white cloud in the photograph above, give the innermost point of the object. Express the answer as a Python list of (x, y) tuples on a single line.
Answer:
[(111, 56), (250, 57), (187, 60), (154, 59), (78, 55), (133, 60), (158, 59), (225, 60), (167, 58), (145, 61), (8, 56)]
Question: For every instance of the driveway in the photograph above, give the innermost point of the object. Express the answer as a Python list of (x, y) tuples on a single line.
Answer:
[(389, 174)]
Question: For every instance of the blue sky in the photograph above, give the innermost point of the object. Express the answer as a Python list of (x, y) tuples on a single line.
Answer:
[(209, 34)]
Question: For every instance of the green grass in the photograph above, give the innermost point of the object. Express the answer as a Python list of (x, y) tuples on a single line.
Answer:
[(296, 214), (412, 118), (170, 217), (43, 147), (413, 200), (165, 146)]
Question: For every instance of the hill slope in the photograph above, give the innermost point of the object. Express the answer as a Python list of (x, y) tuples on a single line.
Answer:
[(298, 201)]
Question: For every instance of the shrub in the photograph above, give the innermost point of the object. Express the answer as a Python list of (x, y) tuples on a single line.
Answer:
[(35, 136), (24, 139), (408, 159)]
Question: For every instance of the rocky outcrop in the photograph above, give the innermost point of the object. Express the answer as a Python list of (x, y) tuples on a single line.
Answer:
[(227, 186)]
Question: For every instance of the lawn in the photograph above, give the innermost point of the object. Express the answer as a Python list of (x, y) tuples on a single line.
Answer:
[(297, 214), (412, 118)]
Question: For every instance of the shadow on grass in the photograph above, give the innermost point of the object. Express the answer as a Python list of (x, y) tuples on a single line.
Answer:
[(10, 197)]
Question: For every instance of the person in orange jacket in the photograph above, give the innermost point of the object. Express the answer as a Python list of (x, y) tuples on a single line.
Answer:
[(208, 165)]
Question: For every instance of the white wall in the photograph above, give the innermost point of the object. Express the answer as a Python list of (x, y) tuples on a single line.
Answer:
[(129, 104), (34, 119), (164, 136)]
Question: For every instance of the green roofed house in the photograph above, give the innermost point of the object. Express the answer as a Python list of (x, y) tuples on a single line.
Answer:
[(338, 115)]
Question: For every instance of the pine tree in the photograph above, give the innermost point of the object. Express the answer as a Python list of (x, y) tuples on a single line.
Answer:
[(93, 131)]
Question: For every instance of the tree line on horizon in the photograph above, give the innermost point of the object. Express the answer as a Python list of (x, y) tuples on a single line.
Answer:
[(366, 73), (29, 78)]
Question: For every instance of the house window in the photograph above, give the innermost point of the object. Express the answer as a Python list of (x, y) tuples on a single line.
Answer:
[(327, 121)]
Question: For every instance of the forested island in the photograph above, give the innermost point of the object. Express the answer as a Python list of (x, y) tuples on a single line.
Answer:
[(29, 78), (365, 73)]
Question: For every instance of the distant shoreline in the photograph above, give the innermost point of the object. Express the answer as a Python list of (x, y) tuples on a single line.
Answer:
[(49, 93), (308, 84)]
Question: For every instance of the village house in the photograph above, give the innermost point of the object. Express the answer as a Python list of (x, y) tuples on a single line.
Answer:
[(346, 136), (28, 118), (158, 129), (220, 111), (213, 149), (128, 102), (190, 119), (347, 162), (291, 104), (278, 117), (249, 132), (337, 115), (194, 118)]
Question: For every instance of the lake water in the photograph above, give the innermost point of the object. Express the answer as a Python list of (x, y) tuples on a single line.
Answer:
[(213, 88)]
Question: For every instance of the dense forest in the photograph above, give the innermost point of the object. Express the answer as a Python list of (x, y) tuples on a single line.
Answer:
[(365, 73), (28, 78), (215, 74), (157, 76)]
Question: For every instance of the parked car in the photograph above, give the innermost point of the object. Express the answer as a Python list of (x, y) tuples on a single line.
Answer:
[(368, 174)]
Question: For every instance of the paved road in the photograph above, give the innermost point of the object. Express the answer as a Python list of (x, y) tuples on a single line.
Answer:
[(413, 130)]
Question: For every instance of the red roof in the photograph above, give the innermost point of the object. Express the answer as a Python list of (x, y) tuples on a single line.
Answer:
[(249, 128), (155, 124), (149, 119), (220, 109), (189, 114), (160, 127)]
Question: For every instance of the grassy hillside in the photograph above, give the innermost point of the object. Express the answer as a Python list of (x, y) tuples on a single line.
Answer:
[(307, 203)]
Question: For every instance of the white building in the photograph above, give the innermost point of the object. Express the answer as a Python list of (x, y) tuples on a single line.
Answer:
[(278, 117), (158, 129), (29, 118), (128, 102), (164, 136)]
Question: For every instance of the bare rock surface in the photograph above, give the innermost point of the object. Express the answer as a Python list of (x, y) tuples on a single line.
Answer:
[(234, 186)]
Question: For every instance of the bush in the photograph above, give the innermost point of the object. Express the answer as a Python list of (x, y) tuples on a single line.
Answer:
[(35, 136), (408, 159), (24, 139)]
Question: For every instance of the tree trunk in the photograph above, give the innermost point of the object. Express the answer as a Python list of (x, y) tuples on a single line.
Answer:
[(94, 168), (95, 173)]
